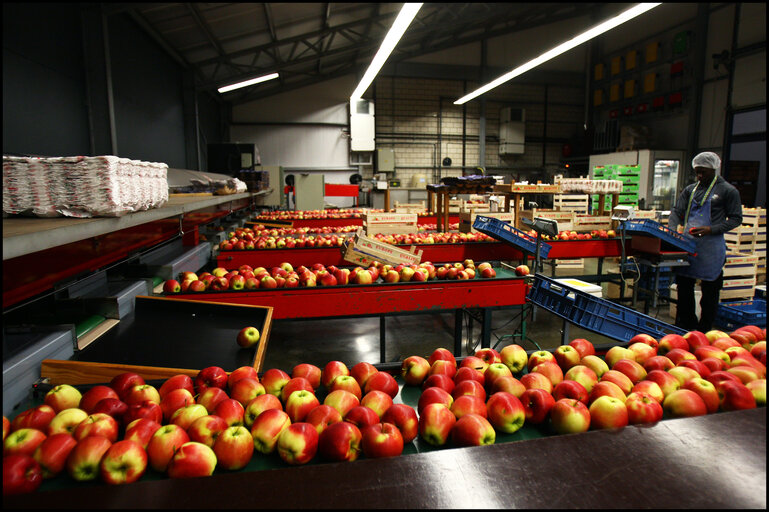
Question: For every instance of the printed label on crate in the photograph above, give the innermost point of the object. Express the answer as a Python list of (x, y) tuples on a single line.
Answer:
[(386, 218)]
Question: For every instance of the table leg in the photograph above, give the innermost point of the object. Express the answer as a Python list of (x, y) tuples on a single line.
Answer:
[(387, 199), (438, 212), (446, 213), (382, 339), (458, 333), (486, 329), (430, 195)]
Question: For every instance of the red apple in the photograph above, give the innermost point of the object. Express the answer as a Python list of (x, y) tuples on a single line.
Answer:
[(404, 417), (297, 384), (570, 389), (514, 357), (141, 431), (569, 416), (414, 370), (113, 407), (472, 430), (435, 423), (378, 401), (696, 339), (706, 390), (552, 371), (331, 371), (23, 441), (606, 388), (52, 453), (758, 388), (246, 389), (442, 381), (489, 356), (233, 448), (205, 429), (467, 373), (540, 356), (382, 381), (174, 400), (66, 421), (322, 417), (97, 424), (85, 458), (583, 374), (176, 382), (362, 371), (471, 362), (339, 442), (567, 356), (651, 388), (536, 404), (735, 396), (536, 380), (505, 412), (248, 336), (644, 338), (21, 475), (94, 395), (123, 463), (299, 404), (124, 382), (658, 363), (698, 366), (434, 395), (258, 405), (608, 412), (211, 397), (298, 443), (341, 400), (146, 409), (192, 460), (631, 369), (594, 363), (231, 411), (711, 351), (361, 416), (37, 417), (677, 355), (671, 341), (642, 408), (310, 372), (583, 346), (666, 381), (642, 352), (683, 403), (273, 381), (441, 353), (267, 428), (210, 377), (616, 353)]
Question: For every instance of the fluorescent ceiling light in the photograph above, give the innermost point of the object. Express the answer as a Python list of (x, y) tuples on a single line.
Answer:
[(253, 81), (402, 22), (563, 47)]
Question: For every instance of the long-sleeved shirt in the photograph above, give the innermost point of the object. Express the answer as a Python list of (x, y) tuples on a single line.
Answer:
[(725, 206)]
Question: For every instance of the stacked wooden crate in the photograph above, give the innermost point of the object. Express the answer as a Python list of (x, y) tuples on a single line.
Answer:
[(739, 276), (410, 207), (390, 223), (750, 238), (577, 203)]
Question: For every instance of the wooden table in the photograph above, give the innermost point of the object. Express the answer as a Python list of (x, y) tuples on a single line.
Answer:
[(442, 193)]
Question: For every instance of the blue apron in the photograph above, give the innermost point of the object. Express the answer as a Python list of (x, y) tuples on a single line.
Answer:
[(711, 249)]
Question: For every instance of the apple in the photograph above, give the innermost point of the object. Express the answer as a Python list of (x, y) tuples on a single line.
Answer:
[(642, 408), (606, 388), (735, 396), (23, 442), (434, 395), (84, 460), (21, 475), (141, 393), (698, 366), (522, 270), (571, 389), (65, 421), (505, 412), (683, 374), (210, 377), (725, 342), (362, 371), (631, 369), (569, 416), (706, 390), (174, 400), (206, 428), (467, 373), (651, 388), (536, 380), (310, 372), (552, 371), (233, 448), (211, 397), (248, 336), (146, 409), (469, 387), (172, 286), (297, 384), (642, 352), (36, 417), (300, 403), (192, 460), (341, 400), (63, 397), (583, 346), (378, 401), (52, 453), (540, 356), (671, 341), (441, 353), (567, 356), (443, 367), (582, 374), (404, 417), (246, 389), (435, 423), (514, 357), (361, 416), (267, 427), (231, 411), (616, 353), (596, 364), (258, 405), (666, 381), (678, 354), (608, 412), (488, 272), (713, 364), (696, 339), (184, 416), (620, 379), (489, 356), (347, 383), (710, 351), (123, 463), (98, 424), (756, 349), (94, 395), (196, 286), (758, 388), (382, 381), (331, 371), (219, 271), (648, 339), (141, 430), (322, 416), (536, 404), (414, 370), (123, 382), (658, 363), (340, 442), (442, 381), (298, 443), (176, 382), (683, 403), (274, 380)]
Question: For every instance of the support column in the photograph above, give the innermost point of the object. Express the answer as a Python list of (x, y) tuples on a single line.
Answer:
[(98, 81)]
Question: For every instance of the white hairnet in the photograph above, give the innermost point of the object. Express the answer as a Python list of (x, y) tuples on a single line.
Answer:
[(707, 159)]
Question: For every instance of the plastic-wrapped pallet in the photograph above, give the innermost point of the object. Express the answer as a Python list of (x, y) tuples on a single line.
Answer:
[(79, 186)]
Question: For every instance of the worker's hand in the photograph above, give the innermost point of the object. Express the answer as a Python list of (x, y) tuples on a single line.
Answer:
[(700, 231)]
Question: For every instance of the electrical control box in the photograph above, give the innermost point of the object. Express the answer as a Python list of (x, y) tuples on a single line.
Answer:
[(385, 160)]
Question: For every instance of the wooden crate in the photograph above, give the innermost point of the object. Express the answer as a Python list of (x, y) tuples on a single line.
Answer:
[(591, 222), (754, 216), (362, 250), (571, 202), (517, 188), (390, 223), (738, 288), (741, 235), (565, 220), (466, 219), (410, 207), (578, 263), (645, 214), (740, 265), (475, 207)]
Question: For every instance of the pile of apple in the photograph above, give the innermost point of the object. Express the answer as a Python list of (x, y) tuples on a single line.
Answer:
[(341, 213), (285, 276), (573, 235)]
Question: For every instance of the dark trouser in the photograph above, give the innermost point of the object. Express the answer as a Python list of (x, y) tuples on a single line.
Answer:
[(686, 308)]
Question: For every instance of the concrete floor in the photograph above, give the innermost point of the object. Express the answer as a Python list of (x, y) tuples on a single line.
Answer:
[(352, 340)]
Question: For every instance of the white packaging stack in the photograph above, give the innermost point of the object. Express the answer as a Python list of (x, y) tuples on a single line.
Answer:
[(79, 186), (605, 186)]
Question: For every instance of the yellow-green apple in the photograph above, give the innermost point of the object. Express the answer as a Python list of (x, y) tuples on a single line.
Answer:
[(123, 463), (258, 405), (141, 430), (331, 371), (123, 382), (505, 412), (347, 383), (678, 354), (434, 395), (210, 377), (231, 411), (247, 336), (362, 371), (267, 428), (98, 424), (191, 276), (658, 363), (273, 381), (219, 271), (608, 412), (583, 374), (23, 441), (758, 388), (467, 373), (443, 367), (146, 409), (583, 346), (298, 443), (174, 400), (414, 370), (567, 356), (442, 381), (682, 373), (514, 357), (378, 401), (300, 403), (745, 373), (192, 460), (382, 381), (714, 334), (36, 417), (684, 403), (571, 389), (472, 362), (435, 423), (536, 405), (361, 416), (473, 430), (233, 448), (569, 416), (642, 351), (492, 373), (509, 384), (644, 338), (340, 442), (441, 353), (94, 395), (184, 416), (176, 382), (666, 381), (540, 356), (404, 417), (536, 380), (85, 458), (483, 265), (616, 353), (697, 366), (642, 408), (696, 339), (211, 397), (469, 387), (632, 369), (341, 400), (206, 428), (300, 383), (309, 371), (52, 453), (66, 421), (552, 371), (246, 389), (671, 341), (706, 390), (365, 277), (710, 351), (63, 397), (489, 355), (21, 475), (596, 364), (725, 342), (735, 396), (651, 388), (713, 363), (618, 378), (606, 388), (322, 416)]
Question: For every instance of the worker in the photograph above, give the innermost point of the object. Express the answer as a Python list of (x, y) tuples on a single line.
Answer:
[(704, 211)]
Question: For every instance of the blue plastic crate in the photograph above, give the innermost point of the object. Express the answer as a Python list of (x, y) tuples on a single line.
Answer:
[(655, 229), (595, 314), (731, 315), (504, 232)]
